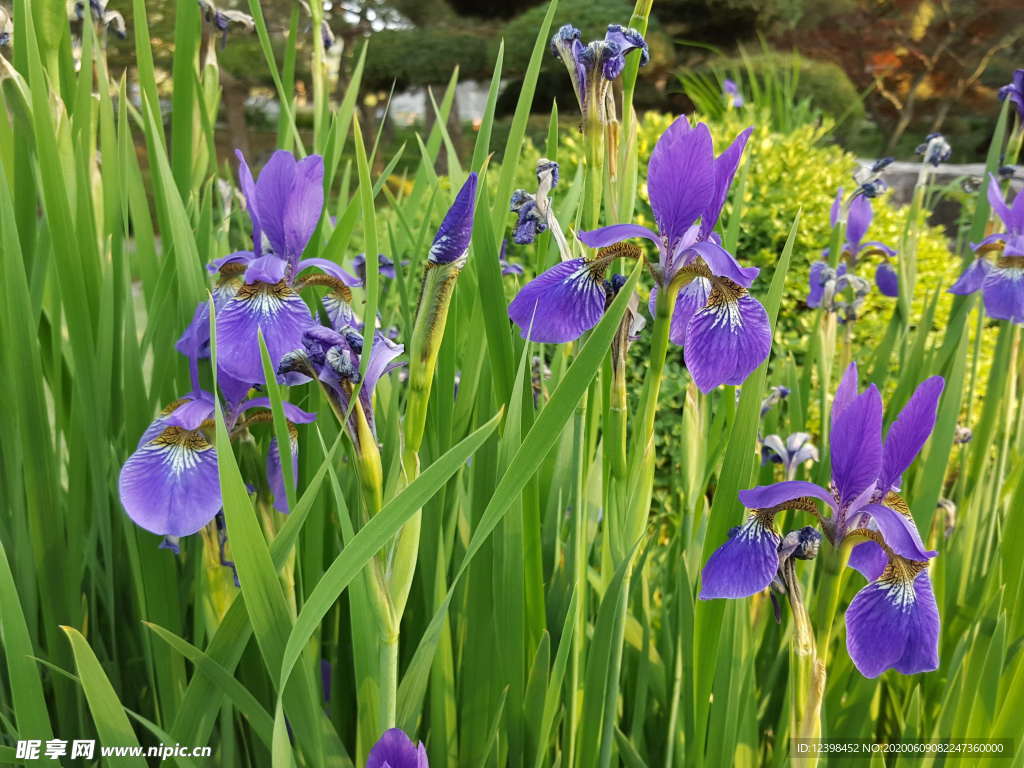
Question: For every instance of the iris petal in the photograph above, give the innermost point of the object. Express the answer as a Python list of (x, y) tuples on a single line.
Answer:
[(726, 341), (277, 310), (396, 750), (910, 431), (856, 442), (1003, 292), (894, 623), (744, 565), (170, 486), (560, 304)]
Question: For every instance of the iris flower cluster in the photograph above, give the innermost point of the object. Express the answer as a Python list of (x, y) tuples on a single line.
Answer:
[(837, 289), (1001, 284), (170, 484), (723, 329), (893, 622)]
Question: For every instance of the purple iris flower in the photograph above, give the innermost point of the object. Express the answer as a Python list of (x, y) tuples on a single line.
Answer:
[(285, 204), (1014, 91), (723, 329), (170, 485), (396, 750), (507, 267), (827, 282), (334, 357), (593, 67), (892, 622), (732, 94), (1001, 285), (385, 266)]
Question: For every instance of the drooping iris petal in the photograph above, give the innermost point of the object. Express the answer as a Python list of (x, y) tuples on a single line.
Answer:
[(768, 496), (277, 310), (744, 565), (616, 233), (899, 531), (722, 263), (170, 486), (857, 222), (1003, 293), (452, 240), (680, 178), (560, 304), (238, 257), (887, 280), (692, 298), (726, 340), (725, 169), (908, 433), (868, 558), (329, 267), (292, 412), (973, 278), (893, 623), (194, 341), (876, 246), (190, 411), (396, 750)]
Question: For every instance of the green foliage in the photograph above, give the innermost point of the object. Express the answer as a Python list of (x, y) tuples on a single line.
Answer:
[(427, 56), (788, 89)]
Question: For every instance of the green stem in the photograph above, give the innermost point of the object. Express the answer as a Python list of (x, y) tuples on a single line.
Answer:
[(389, 682)]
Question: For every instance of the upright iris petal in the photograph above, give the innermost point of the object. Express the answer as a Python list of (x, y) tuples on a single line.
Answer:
[(396, 750), (170, 485)]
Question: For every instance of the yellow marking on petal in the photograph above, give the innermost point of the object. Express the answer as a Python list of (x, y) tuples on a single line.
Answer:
[(180, 447), (896, 503)]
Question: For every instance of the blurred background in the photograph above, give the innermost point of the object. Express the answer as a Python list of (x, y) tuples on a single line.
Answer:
[(879, 73)]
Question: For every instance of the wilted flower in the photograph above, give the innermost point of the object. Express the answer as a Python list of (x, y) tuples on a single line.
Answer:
[(1002, 285), (893, 621), (224, 19), (396, 750), (6, 27), (962, 435), (791, 454), (935, 150), (869, 178), (334, 358), (732, 94), (836, 290), (534, 210), (776, 395), (1014, 91), (723, 329), (109, 20), (593, 67)]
